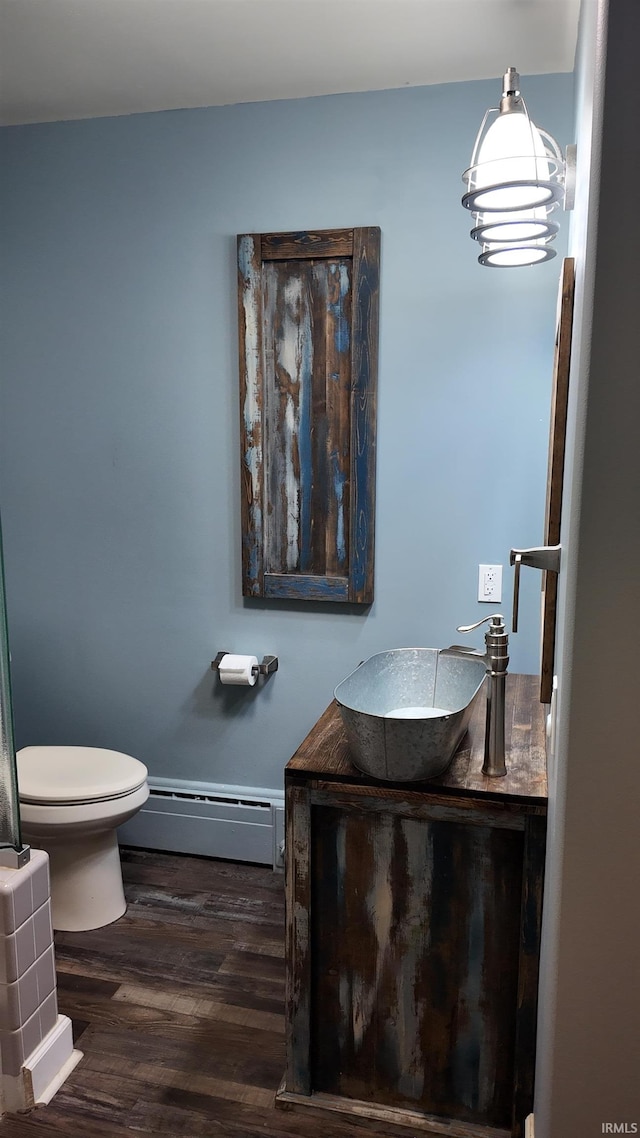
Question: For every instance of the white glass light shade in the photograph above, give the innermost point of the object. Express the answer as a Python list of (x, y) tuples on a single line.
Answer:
[(512, 151)]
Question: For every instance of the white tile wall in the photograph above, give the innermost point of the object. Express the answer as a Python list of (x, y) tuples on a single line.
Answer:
[(28, 998)]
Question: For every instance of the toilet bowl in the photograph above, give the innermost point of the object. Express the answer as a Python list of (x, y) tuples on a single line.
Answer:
[(72, 800)]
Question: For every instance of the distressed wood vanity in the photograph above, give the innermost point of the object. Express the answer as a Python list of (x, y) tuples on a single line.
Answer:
[(413, 915)]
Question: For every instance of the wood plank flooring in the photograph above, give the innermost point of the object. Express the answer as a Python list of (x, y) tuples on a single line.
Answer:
[(178, 1008)]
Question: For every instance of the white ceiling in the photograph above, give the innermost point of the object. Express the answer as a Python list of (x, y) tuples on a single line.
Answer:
[(68, 59)]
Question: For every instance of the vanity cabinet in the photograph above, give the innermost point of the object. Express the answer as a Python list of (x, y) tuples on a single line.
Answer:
[(413, 917)]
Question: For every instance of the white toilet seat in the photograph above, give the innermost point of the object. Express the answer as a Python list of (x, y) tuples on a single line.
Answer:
[(52, 820), (62, 777)]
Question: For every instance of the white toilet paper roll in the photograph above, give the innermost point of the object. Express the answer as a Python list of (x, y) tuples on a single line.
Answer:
[(238, 670)]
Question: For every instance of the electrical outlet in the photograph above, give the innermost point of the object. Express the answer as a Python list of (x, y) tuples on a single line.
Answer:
[(490, 583)]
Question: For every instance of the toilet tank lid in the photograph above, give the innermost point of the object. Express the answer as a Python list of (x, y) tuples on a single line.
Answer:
[(76, 774)]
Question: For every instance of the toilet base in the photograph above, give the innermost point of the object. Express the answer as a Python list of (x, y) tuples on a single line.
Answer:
[(86, 881), (84, 860)]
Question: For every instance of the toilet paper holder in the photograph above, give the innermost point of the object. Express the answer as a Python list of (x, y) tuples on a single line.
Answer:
[(269, 664)]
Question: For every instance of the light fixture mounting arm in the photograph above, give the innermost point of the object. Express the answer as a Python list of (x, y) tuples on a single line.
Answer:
[(511, 100)]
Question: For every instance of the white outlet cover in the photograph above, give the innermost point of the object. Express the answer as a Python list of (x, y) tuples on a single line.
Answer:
[(490, 583)]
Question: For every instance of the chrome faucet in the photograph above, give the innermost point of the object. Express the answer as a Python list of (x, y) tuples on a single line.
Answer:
[(496, 659)]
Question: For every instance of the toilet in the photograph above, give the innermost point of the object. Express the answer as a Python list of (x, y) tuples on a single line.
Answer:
[(72, 800)]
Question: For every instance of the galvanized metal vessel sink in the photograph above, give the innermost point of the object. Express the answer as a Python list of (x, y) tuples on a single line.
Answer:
[(406, 711)]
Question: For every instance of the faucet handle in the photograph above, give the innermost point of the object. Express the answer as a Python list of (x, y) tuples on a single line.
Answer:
[(539, 557), (496, 620)]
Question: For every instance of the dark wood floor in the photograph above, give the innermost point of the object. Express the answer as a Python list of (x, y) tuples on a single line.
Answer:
[(178, 1008)]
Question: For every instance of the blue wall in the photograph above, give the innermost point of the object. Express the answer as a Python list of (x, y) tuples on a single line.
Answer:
[(119, 412)]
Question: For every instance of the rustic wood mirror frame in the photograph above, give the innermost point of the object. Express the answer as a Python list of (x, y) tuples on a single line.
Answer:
[(555, 468), (308, 352)]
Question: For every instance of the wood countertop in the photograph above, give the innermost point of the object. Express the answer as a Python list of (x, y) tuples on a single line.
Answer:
[(325, 754)]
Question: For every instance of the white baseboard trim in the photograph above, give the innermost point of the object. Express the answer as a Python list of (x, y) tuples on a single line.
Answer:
[(210, 819), (44, 1072)]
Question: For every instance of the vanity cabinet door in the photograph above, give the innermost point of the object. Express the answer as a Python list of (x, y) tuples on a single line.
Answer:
[(415, 948), (412, 956)]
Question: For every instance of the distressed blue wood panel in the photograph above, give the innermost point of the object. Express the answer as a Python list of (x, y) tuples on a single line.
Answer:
[(306, 244), (366, 285), (333, 454), (306, 588), (314, 412), (307, 373), (251, 410), (287, 393), (415, 955)]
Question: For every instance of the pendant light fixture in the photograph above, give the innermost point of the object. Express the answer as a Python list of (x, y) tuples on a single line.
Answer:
[(516, 179)]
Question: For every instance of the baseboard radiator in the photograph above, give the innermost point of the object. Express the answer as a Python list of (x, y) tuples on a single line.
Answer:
[(210, 819)]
